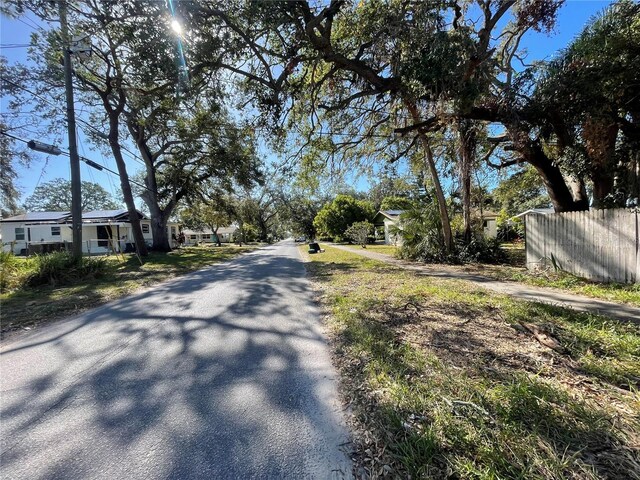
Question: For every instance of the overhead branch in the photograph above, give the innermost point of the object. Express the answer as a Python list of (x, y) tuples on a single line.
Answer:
[(345, 102), (428, 125)]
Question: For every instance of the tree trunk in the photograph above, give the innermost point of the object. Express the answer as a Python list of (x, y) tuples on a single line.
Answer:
[(159, 216), (141, 246), (600, 140), (559, 192), (431, 164), (214, 229), (467, 147), (579, 193), (159, 219), (264, 231)]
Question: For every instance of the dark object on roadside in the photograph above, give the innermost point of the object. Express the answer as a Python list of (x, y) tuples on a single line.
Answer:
[(315, 248)]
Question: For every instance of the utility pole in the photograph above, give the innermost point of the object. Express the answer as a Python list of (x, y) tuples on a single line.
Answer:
[(76, 199)]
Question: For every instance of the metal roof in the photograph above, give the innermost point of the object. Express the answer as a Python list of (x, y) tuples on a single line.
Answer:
[(109, 214), (38, 217), (393, 213), (535, 211), (61, 217), (103, 214)]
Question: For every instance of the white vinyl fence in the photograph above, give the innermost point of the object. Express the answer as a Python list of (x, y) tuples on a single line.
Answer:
[(600, 245)]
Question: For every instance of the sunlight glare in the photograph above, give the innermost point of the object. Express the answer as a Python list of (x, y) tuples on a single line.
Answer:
[(176, 27)]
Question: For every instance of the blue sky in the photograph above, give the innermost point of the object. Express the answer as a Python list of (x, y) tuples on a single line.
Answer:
[(571, 20)]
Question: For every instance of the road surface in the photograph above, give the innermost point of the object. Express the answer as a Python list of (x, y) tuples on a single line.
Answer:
[(220, 374)]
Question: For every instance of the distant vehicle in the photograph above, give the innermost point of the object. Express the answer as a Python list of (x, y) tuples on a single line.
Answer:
[(301, 239)]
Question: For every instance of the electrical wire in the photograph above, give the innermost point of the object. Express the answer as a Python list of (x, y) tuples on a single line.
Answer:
[(23, 21), (88, 161), (42, 172), (14, 45), (79, 120)]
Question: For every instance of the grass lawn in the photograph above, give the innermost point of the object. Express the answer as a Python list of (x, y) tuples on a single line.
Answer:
[(615, 292), (27, 307), (446, 380), (386, 249)]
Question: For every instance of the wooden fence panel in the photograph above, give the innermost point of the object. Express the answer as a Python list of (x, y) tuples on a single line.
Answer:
[(601, 245)]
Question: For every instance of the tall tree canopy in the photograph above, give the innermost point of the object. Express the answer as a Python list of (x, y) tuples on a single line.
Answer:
[(55, 196), (151, 95), (335, 217)]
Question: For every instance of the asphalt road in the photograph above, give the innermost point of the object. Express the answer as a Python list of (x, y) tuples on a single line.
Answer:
[(220, 374)]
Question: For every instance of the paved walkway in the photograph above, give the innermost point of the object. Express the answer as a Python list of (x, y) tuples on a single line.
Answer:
[(618, 311)]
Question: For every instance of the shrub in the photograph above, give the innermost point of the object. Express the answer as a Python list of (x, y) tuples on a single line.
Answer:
[(422, 240), (359, 232), (60, 268), (480, 249), (13, 271), (422, 235)]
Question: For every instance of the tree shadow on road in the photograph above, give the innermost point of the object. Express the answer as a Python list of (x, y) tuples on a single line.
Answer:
[(242, 387)]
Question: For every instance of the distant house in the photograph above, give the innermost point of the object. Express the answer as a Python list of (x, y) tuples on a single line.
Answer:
[(207, 236), (103, 231), (489, 224), (388, 220)]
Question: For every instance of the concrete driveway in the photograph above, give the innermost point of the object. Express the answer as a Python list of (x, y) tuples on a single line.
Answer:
[(223, 373)]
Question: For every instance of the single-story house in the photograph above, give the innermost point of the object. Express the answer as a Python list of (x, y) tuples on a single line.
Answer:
[(103, 231), (388, 220), (489, 224), (225, 234)]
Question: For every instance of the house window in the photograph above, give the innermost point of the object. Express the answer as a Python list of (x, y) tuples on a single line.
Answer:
[(485, 224), (206, 237), (193, 237), (145, 228), (55, 231), (19, 233)]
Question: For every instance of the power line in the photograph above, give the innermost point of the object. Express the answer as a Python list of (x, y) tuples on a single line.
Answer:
[(33, 26), (46, 164), (80, 120), (38, 96), (88, 161)]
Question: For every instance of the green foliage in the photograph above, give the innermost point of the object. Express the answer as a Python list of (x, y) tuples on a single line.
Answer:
[(359, 232), (589, 97), (300, 210), (60, 268), (13, 271), (396, 203), (521, 191), (9, 194), (422, 235), (389, 184), (246, 233), (57, 268), (335, 217), (509, 228), (480, 250), (413, 351), (422, 240), (202, 215), (55, 196)]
